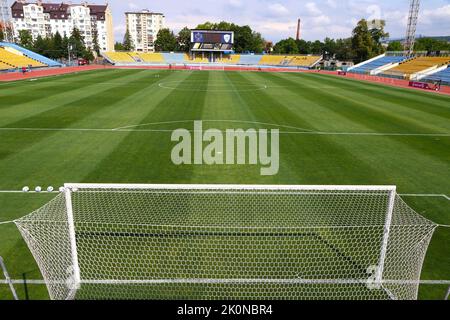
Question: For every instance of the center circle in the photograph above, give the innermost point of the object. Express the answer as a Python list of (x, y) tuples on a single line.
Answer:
[(211, 86)]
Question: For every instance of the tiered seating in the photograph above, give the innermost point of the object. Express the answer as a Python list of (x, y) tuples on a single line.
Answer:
[(229, 59), (18, 60), (250, 59), (119, 57), (443, 76), (31, 54), (383, 61), (152, 57), (199, 59), (175, 58), (273, 60), (4, 66), (304, 61), (417, 65)]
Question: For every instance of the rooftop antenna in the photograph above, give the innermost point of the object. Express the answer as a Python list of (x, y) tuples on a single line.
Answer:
[(412, 27)]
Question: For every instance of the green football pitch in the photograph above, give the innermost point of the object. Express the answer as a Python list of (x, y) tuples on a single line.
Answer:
[(115, 125)]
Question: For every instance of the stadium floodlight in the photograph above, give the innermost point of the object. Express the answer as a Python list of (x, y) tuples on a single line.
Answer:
[(96, 241)]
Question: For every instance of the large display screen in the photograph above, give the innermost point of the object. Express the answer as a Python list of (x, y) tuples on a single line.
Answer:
[(212, 37)]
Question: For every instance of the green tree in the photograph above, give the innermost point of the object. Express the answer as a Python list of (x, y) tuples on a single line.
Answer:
[(166, 41), (362, 42), (58, 48), (118, 46), (2, 35), (26, 39), (430, 44), (304, 47), (127, 42), (395, 46), (76, 43), (287, 46), (184, 40), (96, 45)]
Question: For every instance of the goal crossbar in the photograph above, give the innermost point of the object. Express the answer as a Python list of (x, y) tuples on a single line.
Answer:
[(228, 241)]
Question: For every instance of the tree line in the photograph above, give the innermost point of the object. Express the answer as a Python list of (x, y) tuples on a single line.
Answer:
[(364, 44), (245, 39), (57, 47)]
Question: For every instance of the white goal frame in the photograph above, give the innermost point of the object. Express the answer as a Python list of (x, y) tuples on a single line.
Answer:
[(369, 239), (73, 187)]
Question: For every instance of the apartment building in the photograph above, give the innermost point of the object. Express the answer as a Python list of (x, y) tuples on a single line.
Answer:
[(45, 19), (143, 27)]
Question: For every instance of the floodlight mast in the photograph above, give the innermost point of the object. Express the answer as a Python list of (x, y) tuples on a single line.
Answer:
[(412, 27)]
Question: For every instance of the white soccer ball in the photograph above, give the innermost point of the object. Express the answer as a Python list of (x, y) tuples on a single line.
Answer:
[(26, 189), (50, 189), (38, 189)]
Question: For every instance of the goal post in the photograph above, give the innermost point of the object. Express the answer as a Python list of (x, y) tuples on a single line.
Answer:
[(207, 242)]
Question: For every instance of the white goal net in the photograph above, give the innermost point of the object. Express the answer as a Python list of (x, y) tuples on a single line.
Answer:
[(228, 242)]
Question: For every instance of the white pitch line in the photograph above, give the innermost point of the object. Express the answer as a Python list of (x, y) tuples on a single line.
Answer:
[(426, 195), (229, 121), (376, 134)]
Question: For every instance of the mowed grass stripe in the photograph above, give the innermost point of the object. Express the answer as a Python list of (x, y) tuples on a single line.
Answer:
[(375, 117), (25, 92), (63, 161), (53, 100), (66, 115), (391, 152), (150, 154), (400, 99)]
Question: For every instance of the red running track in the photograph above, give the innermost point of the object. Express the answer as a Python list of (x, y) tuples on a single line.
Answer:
[(15, 76)]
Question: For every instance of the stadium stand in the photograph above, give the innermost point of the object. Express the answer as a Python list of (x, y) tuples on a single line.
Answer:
[(304, 61), (16, 59), (415, 65), (270, 60), (4, 66), (119, 57), (250, 59), (443, 76), (175, 58), (378, 63), (229, 59), (151, 57), (33, 55)]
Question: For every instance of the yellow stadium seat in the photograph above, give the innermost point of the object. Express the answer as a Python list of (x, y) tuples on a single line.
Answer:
[(273, 60), (4, 66), (304, 61), (18, 60), (151, 57), (229, 59), (119, 57), (410, 67)]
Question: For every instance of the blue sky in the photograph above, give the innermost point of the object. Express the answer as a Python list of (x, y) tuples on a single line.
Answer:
[(276, 19)]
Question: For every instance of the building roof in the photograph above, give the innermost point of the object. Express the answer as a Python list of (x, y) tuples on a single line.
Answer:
[(58, 10)]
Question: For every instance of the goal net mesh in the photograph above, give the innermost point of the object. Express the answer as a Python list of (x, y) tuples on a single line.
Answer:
[(228, 243)]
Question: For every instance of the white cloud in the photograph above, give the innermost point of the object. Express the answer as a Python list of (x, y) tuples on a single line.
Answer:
[(332, 4), (312, 9), (235, 4), (277, 9)]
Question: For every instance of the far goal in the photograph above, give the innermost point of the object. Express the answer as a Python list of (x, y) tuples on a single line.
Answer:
[(209, 242)]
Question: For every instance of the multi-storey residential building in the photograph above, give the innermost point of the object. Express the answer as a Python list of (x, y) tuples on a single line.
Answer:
[(143, 28), (46, 19)]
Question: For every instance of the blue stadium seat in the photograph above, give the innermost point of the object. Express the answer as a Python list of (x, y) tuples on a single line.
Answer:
[(32, 55), (250, 59), (366, 68), (172, 58), (443, 75)]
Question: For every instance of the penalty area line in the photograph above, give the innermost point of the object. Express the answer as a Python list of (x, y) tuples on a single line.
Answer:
[(305, 132)]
